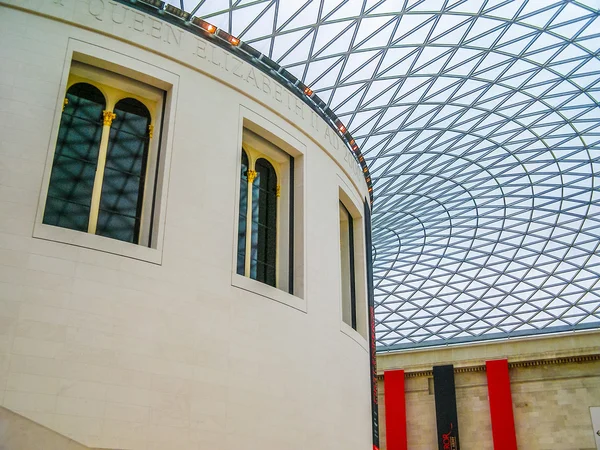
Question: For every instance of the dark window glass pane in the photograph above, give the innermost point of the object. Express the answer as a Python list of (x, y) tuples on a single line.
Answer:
[(117, 226), (264, 224), (66, 214), (75, 159), (241, 258), (347, 259), (122, 195)]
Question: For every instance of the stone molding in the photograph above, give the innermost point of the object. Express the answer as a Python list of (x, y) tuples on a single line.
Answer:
[(511, 365)]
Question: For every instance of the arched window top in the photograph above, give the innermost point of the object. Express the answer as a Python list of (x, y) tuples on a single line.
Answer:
[(133, 106), (132, 117), (266, 175), (245, 164), (85, 101), (87, 91)]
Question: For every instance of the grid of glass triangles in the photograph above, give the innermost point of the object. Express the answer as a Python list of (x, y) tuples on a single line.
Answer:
[(480, 120)]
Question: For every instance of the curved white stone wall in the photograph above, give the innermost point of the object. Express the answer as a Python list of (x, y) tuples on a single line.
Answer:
[(122, 346)]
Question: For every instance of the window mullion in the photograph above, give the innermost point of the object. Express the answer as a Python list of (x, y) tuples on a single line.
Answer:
[(108, 117), (251, 176), (277, 231)]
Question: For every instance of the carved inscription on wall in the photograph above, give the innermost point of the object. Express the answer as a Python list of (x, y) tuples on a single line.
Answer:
[(260, 85), (103, 10), (170, 41)]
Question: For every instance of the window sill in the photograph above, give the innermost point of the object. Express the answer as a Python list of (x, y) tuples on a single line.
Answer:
[(354, 335), (264, 290), (100, 243)]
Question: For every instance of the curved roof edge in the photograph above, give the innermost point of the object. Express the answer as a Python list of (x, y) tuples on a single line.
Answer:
[(199, 27)]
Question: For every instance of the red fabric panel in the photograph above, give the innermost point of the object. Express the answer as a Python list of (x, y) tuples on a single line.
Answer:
[(501, 410), (395, 410)]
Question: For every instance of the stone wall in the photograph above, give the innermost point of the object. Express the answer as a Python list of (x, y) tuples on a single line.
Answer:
[(552, 394), (20, 433), (118, 345)]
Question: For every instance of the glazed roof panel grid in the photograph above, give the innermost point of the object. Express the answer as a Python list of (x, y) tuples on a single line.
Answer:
[(480, 122)]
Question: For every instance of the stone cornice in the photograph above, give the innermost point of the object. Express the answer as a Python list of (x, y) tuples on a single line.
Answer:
[(511, 365)]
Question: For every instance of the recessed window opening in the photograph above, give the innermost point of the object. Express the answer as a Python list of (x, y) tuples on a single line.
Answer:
[(263, 246), (265, 231), (104, 167), (347, 267)]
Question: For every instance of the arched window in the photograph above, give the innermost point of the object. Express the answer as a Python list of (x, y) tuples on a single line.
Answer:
[(104, 171), (120, 209), (267, 250), (242, 222), (258, 222), (347, 267), (264, 224), (75, 159)]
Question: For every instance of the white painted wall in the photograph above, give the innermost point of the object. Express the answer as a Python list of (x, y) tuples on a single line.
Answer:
[(154, 349)]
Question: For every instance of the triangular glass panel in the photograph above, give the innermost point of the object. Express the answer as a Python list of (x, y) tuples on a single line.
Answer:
[(370, 28), (430, 59), (570, 12), (295, 46), (355, 60), (539, 20), (212, 7), (382, 89), (331, 34), (242, 17), (342, 94), (570, 29), (323, 73), (351, 8), (418, 29), (307, 17), (507, 11), (445, 23), (591, 28), (485, 41)]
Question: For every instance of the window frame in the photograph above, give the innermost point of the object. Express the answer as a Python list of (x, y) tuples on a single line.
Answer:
[(84, 62), (347, 246), (285, 152), (360, 333), (115, 89), (257, 148)]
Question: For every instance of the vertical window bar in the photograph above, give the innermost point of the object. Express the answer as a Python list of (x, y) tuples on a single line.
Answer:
[(371, 308), (347, 267), (291, 233), (243, 215), (156, 173), (108, 117), (352, 271)]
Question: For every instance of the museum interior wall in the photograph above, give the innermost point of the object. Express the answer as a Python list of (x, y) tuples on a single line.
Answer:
[(554, 381), (156, 333), (18, 432)]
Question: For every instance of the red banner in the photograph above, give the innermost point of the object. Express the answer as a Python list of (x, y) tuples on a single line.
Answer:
[(395, 410), (501, 410)]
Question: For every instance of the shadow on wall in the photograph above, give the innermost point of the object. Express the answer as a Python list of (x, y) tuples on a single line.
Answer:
[(20, 433)]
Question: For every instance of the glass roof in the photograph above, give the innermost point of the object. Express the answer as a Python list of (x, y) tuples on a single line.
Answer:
[(480, 122)]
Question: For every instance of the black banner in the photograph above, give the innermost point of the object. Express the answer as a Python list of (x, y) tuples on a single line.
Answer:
[(445, 407), (372, 342)]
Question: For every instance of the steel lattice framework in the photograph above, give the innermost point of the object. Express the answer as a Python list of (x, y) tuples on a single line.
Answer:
[(480, 121)]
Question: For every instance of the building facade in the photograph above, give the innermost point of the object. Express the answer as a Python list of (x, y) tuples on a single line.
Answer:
[(551, 394), (182, 242)]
